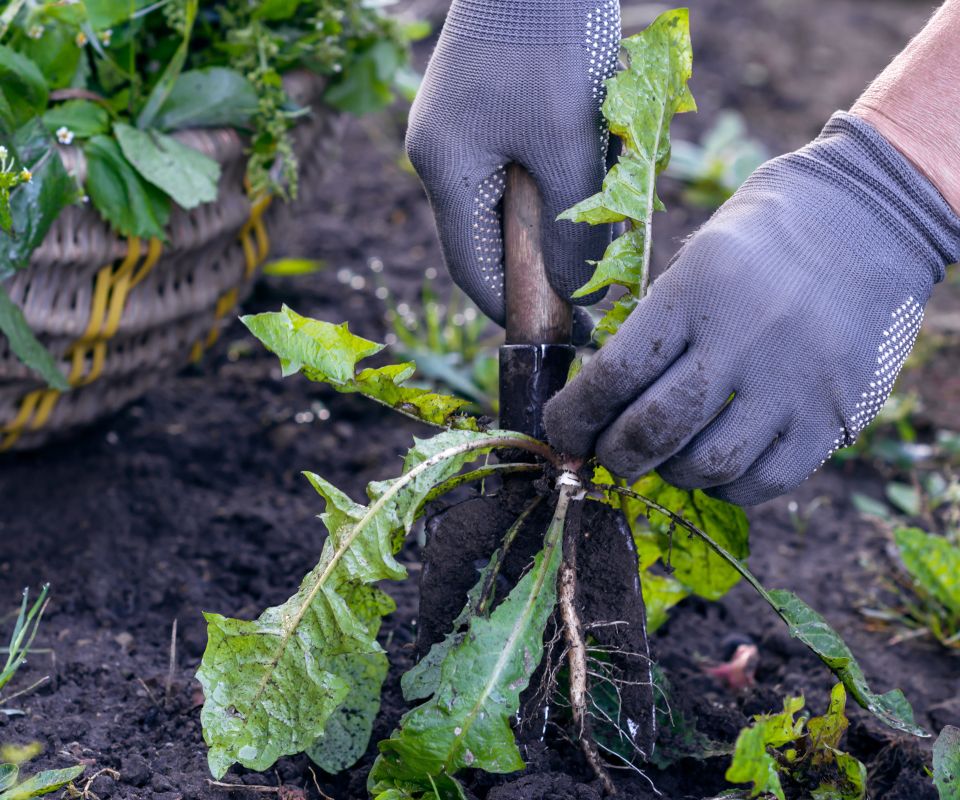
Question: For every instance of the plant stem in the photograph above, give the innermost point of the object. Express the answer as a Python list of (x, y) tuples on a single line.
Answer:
[(479, 474)]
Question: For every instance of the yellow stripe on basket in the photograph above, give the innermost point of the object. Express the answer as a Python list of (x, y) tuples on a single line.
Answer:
[(255, 242), (111, 289)]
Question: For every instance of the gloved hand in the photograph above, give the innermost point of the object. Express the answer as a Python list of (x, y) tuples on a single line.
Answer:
[(801, 297), (518, 81)]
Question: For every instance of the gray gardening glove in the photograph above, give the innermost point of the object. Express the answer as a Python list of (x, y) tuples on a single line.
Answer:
[(515, 81), (801, 297)]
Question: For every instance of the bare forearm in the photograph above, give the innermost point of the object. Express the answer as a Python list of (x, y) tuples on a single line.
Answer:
[(915, 102)]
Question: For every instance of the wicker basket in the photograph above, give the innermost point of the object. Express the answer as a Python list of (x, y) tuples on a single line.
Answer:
[(121, 314)]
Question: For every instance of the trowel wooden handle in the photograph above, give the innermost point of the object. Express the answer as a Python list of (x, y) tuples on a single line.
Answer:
[(535, 313)]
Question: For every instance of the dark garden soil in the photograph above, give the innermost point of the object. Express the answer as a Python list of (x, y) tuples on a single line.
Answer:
[(191, 499)]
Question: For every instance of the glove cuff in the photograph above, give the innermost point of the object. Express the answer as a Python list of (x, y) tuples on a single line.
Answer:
[(546, 22), (888, 182)]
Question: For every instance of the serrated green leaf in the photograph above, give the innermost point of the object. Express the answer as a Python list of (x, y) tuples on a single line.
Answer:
[(933, 562), (850, 782), (466, 723), (751, 761), (813, 758), (694, 563), (273, 685), (185, 174), (812, 629), (640, 104), (423, 679), (128, 202), (329, 353), (618, 265), (326, 352), (946, 763), (42, 783)]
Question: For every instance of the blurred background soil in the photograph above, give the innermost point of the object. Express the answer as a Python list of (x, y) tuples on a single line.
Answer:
[(191, 498)]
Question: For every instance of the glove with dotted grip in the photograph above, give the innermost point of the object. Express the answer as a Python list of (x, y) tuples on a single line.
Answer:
[(777, 332), (518, 81)]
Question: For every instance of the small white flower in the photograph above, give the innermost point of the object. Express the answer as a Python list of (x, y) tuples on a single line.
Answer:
[(64, 135), (35, 32), (106, 36), (26, 175), (3, 152), (81, 39)]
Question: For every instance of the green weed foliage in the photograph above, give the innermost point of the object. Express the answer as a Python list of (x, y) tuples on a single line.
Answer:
[(306, 676), (804, 751), (86, 75)]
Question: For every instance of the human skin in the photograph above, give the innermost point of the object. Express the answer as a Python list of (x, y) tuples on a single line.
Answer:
[(915, 102)]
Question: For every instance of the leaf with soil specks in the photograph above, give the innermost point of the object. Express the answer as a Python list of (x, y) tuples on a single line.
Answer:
[(812, 629), (329, 353), (946, 763), (347, 732), (466, 723), (275, 685)]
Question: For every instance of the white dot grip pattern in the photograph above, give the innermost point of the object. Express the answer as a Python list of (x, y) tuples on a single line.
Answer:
[(603, 45), (896, 342), (487, 236)]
